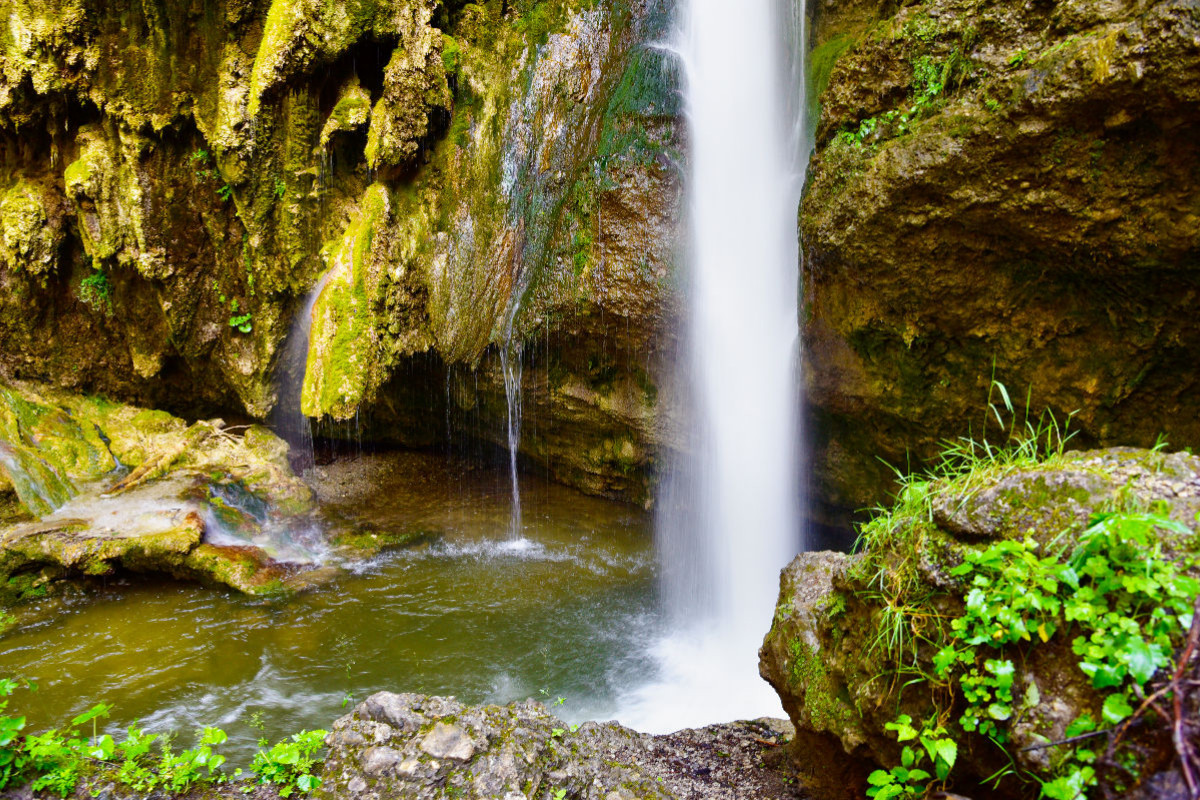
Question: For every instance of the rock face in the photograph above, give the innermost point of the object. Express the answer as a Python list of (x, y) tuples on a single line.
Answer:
[(89, 488), (998, 190), (841, 682), (176, 177), (415, 746)]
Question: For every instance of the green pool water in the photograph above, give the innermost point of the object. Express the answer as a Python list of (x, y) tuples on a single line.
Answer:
[(565, 612)]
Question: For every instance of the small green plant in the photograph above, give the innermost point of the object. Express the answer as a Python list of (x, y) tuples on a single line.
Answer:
[(1018, 58), (96, 292), (1122, 602), (932, 78), (225, 193), (54, 761), (910, 778), (178, 773), (1126, 605), (288, 764), (242, 322), (280, 189), (201, 159)]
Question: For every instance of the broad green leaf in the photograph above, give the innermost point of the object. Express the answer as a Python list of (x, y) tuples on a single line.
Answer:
[(1116, 708), (1142, 658), (879, 778)]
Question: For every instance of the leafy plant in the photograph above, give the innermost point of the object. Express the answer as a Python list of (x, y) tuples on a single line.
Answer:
[(10, 729), (96, 291), (910, 778), (53, 761), (1125, 602), (288, 764), (180, 772), (242, 322), (225, 193)]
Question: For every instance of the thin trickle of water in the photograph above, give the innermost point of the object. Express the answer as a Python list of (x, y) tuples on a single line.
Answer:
[(291, 422), (511, 366), (728, 519)]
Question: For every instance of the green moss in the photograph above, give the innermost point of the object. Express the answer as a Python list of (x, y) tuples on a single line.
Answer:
[(826, 708), (28, 241), (822, 61), (78, 175), (283, 19), (344, 359)]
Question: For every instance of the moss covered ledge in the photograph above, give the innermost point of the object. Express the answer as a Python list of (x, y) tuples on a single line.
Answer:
[(1006, 605), (94, 488)]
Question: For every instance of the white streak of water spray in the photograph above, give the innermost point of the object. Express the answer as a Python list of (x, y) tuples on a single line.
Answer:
[(511, 366), (292, 424), (728, 519)]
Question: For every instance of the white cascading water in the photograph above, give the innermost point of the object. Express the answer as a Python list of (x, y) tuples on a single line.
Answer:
[(512, 367), (728, 519), (290, 422)]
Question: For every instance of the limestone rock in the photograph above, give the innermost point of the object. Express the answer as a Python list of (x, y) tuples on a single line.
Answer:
[(30, 228), (479, 752), (121, 488), (415, 99), (526, 164), (827, 653), (415, 746), (1034, 221)]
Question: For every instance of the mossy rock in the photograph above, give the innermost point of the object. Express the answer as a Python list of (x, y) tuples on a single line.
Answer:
[(59, 455), (853, 640), (30, 228)]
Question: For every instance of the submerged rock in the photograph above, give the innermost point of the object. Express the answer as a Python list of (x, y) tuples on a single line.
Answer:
[(408, 746), (854, 638)]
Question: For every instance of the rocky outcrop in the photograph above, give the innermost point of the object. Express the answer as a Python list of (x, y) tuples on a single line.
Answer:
[(998, 191), (467, 176), (855, 639), (416, 746), (93, 488)]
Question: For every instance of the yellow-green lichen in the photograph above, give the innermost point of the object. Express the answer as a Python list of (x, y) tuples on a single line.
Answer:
[(825, 708), (29, 241), (344, 358)]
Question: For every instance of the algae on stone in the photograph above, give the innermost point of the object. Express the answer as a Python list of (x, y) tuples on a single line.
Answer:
[(112, 487)]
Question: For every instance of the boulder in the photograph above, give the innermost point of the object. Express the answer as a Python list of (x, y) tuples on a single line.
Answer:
[(854, 637), (105, 487), (409, 746), (998, 191)]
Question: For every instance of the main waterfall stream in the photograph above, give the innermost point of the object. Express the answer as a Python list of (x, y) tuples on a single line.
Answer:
[(728, 514)]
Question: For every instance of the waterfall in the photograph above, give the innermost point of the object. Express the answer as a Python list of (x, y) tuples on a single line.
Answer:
[(728, 515), (512, 367), (290, 421)]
